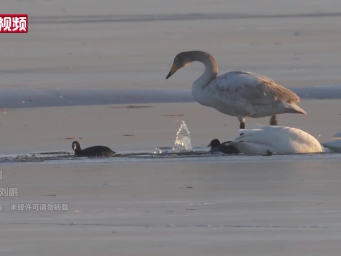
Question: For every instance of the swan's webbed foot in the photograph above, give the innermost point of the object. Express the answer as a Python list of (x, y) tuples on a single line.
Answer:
[(273, 120), (242, 125)]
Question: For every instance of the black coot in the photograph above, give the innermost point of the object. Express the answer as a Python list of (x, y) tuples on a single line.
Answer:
[(226, 149), (91, 151)]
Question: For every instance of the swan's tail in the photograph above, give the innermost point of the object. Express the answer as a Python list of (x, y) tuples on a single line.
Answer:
[(293, 108)]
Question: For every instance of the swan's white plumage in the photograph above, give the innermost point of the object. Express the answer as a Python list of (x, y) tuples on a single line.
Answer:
[(334, 144), (277, 139)]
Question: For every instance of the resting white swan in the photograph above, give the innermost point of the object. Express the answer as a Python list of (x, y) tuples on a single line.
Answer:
[(276, 139), (334, 144), (237, 93)]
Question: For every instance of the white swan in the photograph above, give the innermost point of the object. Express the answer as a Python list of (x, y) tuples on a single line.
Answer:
[(334, 144), (237, 93), (276, 139)]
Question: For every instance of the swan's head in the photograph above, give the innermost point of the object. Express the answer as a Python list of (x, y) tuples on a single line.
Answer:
[(181, 60), (214, 143)]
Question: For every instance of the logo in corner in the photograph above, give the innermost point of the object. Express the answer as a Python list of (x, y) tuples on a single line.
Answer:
[(13, 23)]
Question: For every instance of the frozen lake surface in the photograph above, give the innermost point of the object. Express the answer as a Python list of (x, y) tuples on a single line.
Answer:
[(25, 98), (59, 83)]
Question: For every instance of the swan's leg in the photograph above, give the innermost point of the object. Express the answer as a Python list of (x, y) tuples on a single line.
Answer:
[(273, 120), (242, 122)]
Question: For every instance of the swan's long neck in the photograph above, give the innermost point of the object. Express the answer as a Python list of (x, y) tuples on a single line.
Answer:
[(211, 71)]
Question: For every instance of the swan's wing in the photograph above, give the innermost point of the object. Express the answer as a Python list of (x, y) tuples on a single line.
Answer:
[(257, 136), (269, 135), (250, 87), (251, 148)]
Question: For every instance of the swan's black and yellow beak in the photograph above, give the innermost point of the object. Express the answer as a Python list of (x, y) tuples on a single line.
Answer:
[(172, 71)]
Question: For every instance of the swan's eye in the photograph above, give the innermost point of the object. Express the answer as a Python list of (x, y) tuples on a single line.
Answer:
[(241, 134)]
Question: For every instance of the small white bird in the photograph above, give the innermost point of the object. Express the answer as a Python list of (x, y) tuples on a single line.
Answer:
[(276, 139), (334, 144), (237, 93)]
